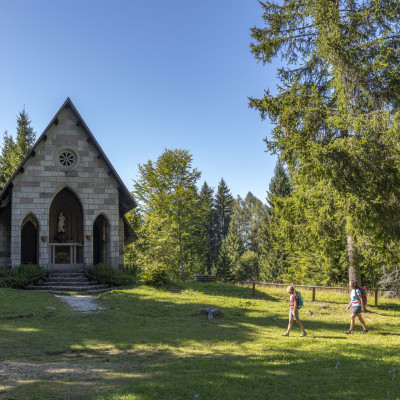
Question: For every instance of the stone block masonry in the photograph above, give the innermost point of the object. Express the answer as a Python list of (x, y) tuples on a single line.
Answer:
[(44, 177)]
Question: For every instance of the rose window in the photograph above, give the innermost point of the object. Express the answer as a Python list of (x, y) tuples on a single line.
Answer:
[(67, 159)]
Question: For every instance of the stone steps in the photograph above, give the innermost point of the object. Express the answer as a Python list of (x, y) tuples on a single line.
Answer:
[(68, 281)]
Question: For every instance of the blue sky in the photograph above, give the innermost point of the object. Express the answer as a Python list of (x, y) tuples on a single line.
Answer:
[(145, 76)]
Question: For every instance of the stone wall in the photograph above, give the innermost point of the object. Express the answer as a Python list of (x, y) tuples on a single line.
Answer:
[(44, 176), (5, 235)]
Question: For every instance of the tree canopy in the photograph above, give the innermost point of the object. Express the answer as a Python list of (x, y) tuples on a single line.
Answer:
[(14, 151), (168, 199), (336, 115)]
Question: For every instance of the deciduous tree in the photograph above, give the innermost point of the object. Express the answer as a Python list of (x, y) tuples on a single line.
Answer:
[(168, 198)]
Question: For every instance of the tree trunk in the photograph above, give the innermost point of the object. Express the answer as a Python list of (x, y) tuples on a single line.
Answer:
[(180, 248), (354, 270)]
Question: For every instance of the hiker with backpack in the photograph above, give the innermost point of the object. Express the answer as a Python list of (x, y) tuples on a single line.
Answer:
[(296, 302), (357, 300)]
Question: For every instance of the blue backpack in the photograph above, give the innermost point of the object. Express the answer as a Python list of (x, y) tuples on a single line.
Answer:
[(299, 300)]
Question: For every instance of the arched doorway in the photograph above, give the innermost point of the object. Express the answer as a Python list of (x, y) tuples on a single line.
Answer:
[(29, 240), (101, 240), (66, 230)]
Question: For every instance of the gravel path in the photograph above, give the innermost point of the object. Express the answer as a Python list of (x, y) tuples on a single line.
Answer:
[(84, 303)]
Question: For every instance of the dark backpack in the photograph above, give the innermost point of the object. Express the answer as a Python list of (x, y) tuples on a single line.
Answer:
[(363, 295), (299, 299)]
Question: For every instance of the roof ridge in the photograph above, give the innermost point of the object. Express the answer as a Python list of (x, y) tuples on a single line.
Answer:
[(128, 200)]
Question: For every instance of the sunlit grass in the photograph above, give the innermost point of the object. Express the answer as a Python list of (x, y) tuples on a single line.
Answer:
[(152, 343)]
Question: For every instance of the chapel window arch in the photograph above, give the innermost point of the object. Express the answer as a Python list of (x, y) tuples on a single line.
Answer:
[(29, 240), (101, 240)]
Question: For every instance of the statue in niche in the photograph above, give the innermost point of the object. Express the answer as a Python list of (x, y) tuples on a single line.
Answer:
[(61, 227), (61, 222)]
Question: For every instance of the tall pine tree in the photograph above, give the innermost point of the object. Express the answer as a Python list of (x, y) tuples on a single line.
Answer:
[(13, 152), (336, 112), (223, 212), (273, 258), (207, 205)]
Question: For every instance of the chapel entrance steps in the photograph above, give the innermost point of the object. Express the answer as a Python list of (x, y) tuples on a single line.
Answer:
[(68, 281)]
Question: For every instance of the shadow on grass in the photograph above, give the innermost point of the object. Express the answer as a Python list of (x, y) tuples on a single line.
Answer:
[(389, 306), (383, 333), (152, 348), (165, 374), (131, 320), (220, 289), (329, 337)]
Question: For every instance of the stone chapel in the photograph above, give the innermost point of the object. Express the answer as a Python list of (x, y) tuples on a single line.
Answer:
[(64, 206)]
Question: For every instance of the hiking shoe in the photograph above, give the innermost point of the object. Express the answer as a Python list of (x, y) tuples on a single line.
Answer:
[(364, 331), (285, 334), (304, 334), (349, 331)]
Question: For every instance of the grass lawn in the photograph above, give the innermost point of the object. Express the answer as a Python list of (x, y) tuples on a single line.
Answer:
[(152, 343)]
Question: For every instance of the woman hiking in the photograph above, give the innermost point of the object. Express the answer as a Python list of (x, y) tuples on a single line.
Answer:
[(294, 311), (357, 302)]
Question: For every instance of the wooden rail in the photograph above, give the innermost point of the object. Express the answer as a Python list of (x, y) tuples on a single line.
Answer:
[(206, 278), (313, 288)]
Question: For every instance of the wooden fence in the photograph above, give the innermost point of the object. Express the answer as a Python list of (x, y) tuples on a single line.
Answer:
[(313, 288)]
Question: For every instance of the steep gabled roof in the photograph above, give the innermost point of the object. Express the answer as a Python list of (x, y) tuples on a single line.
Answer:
[(126, 201)]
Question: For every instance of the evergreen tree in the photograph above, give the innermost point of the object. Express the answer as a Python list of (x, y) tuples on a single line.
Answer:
[(26, 136), (336, 113), (273, 258), (243, 241), (223, 212), (253, 214), (224, 267), (13, 152), (233, 242), (208, 208), (280, 185), (8, 159)]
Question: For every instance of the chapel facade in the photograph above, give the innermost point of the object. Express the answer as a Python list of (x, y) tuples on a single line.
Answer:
[(64, 206)]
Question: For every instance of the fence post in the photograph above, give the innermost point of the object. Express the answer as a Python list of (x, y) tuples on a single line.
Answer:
[(313, 294), (376, 297), (254, 289)]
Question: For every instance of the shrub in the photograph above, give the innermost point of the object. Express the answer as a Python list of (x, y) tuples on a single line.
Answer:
[(110, 275), (21, 276), (154, 274), (132, 270), (247, 267)]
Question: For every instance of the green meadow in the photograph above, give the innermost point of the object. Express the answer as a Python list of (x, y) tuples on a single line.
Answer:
[(153, 343)]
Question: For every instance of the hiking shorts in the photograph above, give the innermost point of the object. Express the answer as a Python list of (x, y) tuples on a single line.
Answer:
[(294, 314), (356, 310)]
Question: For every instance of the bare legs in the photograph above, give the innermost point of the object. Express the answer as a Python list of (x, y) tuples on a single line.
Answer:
[(291, 324), (352, 321)]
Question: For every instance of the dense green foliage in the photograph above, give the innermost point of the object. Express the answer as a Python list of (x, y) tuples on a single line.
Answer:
[(154, 274), (223, 212), (21, 276), (207, 203), (274, 266), (106, 274), (245, 236), (336, 126), (172, 227), (14, 151), (152, 343), (183, 232)]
